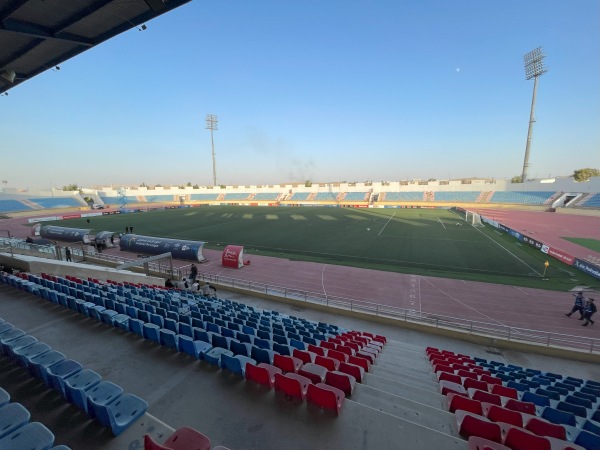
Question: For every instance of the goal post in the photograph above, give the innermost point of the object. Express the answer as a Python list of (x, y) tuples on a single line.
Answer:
[(473, 218)]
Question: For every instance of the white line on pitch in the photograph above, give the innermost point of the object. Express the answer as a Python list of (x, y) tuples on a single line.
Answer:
[(387, 223), (442, 223)]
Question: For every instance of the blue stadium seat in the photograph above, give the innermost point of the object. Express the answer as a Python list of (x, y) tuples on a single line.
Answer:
[(587, 440), (213, 356), (168, 338), (32, 436), (4, 397), (262, 355), (12, 417), (39, 364), (77, 385), (578, 410), (559, 417), (152, 332), (240, 348), (101, 395), (121, 413), (235, 364), (57, 373)]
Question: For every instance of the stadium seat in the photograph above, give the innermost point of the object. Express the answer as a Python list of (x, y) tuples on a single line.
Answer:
[(587, 440), (456, 402), (314, 372), (342, 381), (100, 395), (448, 386), (325, 396), (151, 332), (476, 384), (236, 364), (505, 391), (579, 411), (213, 356), (303, 355), (77, 385), (4, 397), (359, 362), (559, 417), (446, 376), (520, 439), (499, 414), (121, 413), (287, 363), (12, 417), (292, 384), (328, 363), (57, 373), (542, 427), (38, 365), (479, 443), (183, 438), (18, 343), (31, 436), (536, 399), (352, 369), (524, 407), (470, 424), (262, 373)]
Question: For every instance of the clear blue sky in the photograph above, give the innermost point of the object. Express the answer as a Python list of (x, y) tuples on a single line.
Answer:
[(320, 90)]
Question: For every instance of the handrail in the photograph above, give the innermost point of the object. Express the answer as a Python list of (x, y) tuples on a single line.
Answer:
[(487, 329), (492, 330)]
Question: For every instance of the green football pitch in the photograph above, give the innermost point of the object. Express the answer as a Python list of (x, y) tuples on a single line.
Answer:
[(435, 242)]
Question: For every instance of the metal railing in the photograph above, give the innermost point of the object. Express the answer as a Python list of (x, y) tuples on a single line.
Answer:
[(485, 329)]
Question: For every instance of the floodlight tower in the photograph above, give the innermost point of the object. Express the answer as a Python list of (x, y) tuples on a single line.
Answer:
[(212, 125), (534, 68)]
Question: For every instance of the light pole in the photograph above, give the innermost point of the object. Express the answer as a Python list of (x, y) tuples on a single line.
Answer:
[(212, 125), (534, 68)]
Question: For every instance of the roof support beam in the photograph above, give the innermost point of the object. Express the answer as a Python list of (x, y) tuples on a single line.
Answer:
[(10, 8), (36, 31)]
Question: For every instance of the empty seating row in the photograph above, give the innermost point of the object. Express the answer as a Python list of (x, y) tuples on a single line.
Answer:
[(102, 400), (184, 438), (475, 386), (16, 430)]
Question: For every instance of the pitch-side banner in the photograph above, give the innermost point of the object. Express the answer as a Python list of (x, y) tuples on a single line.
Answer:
[(589, 268), (150, 245)]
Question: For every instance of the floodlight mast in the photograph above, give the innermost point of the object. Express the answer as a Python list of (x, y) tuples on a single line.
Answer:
[(534, 68), (212, 125)]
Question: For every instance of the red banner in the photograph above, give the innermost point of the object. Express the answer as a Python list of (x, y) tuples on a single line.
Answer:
[(561, 256)]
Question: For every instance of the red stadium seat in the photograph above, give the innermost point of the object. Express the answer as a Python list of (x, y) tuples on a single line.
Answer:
[(369, 356), (542, 427), (450, 377), (287, 363), (292, 384), (479, 443), (262, 373), (346, 350), (524, 407), (328, 345), (470, 424), (314, 372), (186, 438), (352, 369), (324, 396), (442, 368), (328, 363), (317, 350), (505, 391), (484, 396), (337, 355), (520, 439), (466, 374), (499, 414), (448, 387), (362, 362), (471, 383), (341, 380), (303, 355), (456, 402), (490, 379), (353, 345)]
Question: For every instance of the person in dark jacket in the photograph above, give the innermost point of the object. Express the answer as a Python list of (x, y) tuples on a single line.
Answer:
[(588, 311), (578, 306)]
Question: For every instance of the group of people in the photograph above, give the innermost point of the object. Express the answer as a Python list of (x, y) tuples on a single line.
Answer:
[(129, 229), (191, 283), (586, 309)]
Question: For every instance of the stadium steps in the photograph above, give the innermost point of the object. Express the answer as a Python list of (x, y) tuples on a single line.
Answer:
[(405, 390), (31, 204), (418, 413)]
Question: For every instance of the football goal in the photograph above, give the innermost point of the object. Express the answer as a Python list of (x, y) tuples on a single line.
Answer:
[(473, 218)]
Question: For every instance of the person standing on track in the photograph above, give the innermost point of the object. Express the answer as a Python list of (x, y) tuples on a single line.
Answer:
[(578, 306), (588, 311)]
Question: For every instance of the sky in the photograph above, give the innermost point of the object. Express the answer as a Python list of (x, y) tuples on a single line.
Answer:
[(330, 91)]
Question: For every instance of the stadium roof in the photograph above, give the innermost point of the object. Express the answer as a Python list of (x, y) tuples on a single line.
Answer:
[(37, 35)]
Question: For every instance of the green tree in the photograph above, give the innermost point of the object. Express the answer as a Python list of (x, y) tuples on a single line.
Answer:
[(70, 187), (143, 185), (585, 174), (189, 184), (195, 186), (516, 179), (307, 183)]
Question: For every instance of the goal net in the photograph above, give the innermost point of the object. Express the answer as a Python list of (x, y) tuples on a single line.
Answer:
[(473, 218)]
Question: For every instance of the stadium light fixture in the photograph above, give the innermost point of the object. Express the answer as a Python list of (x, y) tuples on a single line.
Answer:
[(8, 75), (534, 68), (212, 124)]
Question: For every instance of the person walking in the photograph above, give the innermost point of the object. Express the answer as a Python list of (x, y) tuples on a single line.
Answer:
[(193, 272), (578, 306), (588, 311), (68, 254)]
